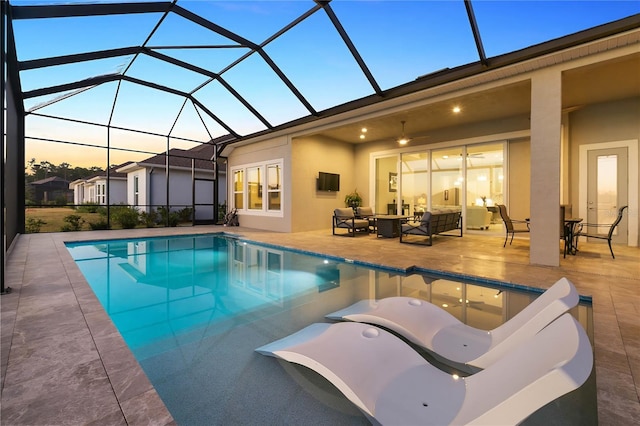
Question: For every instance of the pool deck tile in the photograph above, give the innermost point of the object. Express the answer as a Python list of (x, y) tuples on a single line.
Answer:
[(63, 361)]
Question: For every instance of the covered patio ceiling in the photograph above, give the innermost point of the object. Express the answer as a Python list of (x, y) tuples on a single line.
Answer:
[(196, 71), (603, 82)]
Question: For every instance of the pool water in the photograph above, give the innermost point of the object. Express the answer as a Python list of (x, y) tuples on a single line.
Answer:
[(161, 291), (192, 309)]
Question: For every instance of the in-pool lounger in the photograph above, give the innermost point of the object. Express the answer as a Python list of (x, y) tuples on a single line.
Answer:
[(392, 384), (452, 341)]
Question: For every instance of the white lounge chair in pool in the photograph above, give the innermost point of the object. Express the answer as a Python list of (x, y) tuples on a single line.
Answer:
[(392, 384), (450, 340)]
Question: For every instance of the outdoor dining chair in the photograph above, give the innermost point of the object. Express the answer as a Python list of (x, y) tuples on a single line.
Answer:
[(512, 226), (591, 230)]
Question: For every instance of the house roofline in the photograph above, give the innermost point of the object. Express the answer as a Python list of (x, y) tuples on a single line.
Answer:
[(136, 166)]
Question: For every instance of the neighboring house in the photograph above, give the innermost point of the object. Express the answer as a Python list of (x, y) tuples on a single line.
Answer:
[(93, 189), (190, 171), (47, 190)]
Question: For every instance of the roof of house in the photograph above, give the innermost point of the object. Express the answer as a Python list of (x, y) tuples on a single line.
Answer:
[(113, 173), (49, 180), (202, 154)]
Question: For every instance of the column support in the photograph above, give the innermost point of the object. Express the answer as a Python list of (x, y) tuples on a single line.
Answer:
[(546, 114)]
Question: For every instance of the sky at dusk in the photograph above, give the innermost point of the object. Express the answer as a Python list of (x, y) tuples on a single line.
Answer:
[(398, 40)]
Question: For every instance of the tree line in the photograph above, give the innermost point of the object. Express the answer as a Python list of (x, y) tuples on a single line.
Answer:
[(35, 171)]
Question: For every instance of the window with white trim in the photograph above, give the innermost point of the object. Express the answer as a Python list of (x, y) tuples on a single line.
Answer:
[(136, 192), (274, 186), (254, 188), (238, 189), (102, 198), (257, 188)]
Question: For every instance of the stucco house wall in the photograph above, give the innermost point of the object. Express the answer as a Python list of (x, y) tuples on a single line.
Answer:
[(152, 190), (143, 188), (78, 187), (117, 190), (313, 209), (85, 191)]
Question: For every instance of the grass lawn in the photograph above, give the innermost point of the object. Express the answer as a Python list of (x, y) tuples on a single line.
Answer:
[(54, 217)]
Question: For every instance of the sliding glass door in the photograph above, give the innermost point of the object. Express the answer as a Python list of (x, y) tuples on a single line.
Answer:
[(447, 178), (485, 175), (415, 183), (471, 177), (386, 184), (484, 185)]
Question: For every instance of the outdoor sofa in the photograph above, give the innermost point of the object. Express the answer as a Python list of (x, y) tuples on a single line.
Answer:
[(431, 223)]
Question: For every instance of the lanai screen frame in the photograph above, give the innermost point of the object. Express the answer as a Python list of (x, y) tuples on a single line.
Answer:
[(12, 68)]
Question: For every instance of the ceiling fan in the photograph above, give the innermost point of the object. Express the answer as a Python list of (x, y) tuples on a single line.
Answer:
[(403, 140), (474, 155)]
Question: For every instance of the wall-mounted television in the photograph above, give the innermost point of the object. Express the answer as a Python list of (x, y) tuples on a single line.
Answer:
[(328, 181)]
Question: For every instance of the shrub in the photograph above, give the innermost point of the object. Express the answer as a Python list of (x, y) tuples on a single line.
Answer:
[(149, 219), (33, 225), (169, 218), (87, 208), (99, 225), (222, 211), (128, 217), (73, 222), (60, 200), (185, 214)]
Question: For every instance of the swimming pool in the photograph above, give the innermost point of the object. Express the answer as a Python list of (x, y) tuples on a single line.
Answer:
[(192, 309)]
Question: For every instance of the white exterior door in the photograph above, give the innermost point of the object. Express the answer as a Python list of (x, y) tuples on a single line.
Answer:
[(607, 190)]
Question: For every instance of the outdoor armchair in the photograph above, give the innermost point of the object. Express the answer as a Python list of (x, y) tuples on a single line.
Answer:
[(421, 228), (368, 214), (346, 219)]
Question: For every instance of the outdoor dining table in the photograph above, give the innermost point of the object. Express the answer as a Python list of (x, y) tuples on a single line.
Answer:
[(570, 224)]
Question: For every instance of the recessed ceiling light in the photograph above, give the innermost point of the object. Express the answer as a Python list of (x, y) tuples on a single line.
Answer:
[(364, 130), (456, 109), (361, 136)]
